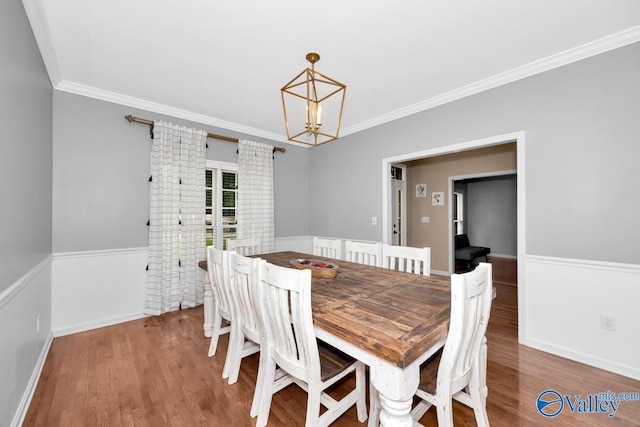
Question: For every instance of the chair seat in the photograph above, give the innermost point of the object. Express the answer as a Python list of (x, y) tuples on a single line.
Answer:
[(471, 252), (332, 361)]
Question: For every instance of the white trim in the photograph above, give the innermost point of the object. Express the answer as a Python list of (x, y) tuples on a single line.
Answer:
[(98, 253), (578, 53), (216, 164), (87, 326), (39, 25), (8, 294), (596, 265), (27, 396), (117, 98), (519, 139), (587, 359)]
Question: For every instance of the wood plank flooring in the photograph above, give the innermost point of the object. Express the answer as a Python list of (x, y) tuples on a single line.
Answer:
[(155, 372)]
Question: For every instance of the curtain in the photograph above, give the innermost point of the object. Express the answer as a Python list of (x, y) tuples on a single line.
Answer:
[(255, 193), (176, 221)]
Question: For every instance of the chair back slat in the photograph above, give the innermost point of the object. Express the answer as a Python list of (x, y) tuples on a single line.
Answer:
[(369, 253), (243, 278), (246, 247), (286, 310), (328, 248), (218, 270), (407, 259), (471, 296)]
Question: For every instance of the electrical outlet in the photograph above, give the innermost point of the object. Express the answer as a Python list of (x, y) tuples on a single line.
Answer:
[(608, 322), (38, 324)]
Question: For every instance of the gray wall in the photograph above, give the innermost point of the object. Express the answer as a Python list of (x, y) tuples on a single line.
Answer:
[(25, 148), (25, 207), (101, 171), (582, 149), (491, 213)]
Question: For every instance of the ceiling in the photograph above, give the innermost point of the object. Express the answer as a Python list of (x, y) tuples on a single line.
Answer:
[(223, 63)]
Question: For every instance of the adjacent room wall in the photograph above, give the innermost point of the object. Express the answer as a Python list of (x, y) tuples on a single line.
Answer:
[(435, 172), (492, 214), (25, 214)]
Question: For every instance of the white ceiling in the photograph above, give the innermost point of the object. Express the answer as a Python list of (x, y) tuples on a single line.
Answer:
[(223, 62)]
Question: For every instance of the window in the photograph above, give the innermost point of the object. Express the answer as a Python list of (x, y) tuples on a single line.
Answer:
[(221, 198), (458, 213)]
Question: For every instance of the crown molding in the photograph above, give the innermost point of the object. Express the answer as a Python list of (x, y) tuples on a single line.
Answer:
[(38, 20), (129, 101), (578, 53)]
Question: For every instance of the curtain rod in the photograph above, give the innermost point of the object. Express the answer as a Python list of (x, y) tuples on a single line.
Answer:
[(131, 119)]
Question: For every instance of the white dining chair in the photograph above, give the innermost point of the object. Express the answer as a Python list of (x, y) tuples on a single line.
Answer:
[(458, 370), (407, 259), (369, 253), (221, 315), (245, 336), (248, 246), (247, 332), (328, 248), (292, 345)]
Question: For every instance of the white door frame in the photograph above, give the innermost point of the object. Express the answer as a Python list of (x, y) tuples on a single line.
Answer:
[(519, 139), (403, 204)]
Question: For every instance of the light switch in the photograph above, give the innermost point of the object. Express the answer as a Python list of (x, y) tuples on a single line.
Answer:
[(425, 219), (374, 220)]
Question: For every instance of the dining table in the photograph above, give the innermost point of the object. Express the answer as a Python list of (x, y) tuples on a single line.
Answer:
[(391, 321)]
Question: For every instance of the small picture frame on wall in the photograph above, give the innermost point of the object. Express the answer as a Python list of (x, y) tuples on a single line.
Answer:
[(421, 190), (437, 198)]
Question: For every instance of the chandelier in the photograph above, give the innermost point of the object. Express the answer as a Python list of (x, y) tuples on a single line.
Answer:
[(314, 104)]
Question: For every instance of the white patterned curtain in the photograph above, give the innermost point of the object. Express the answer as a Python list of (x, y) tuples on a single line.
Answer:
[(255, 193), (176, 222)]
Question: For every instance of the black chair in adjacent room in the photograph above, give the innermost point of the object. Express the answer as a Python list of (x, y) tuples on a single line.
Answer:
[(467, 256)]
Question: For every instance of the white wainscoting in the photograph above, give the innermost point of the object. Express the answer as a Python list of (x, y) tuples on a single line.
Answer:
[(93, 289), (97, 288), (23, 348), (302, 244), (564, 301)]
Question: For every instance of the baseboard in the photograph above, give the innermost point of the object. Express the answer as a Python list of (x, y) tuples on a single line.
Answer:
[(587, 359), (82, 327), (25, 402)]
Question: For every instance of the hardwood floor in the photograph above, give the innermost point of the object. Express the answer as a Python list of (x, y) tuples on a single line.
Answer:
[(155, 372)]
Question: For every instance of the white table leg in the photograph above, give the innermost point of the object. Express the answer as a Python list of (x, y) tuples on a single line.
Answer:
[(396, 388)]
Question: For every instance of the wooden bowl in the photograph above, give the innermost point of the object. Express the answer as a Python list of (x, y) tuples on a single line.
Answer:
[(319, 268)]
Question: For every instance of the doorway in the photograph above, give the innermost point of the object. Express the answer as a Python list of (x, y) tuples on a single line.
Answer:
[(519, 139), (398, 185), (484, 207)]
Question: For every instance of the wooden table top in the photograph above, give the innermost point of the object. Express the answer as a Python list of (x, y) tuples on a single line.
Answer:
[(395, 316)]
